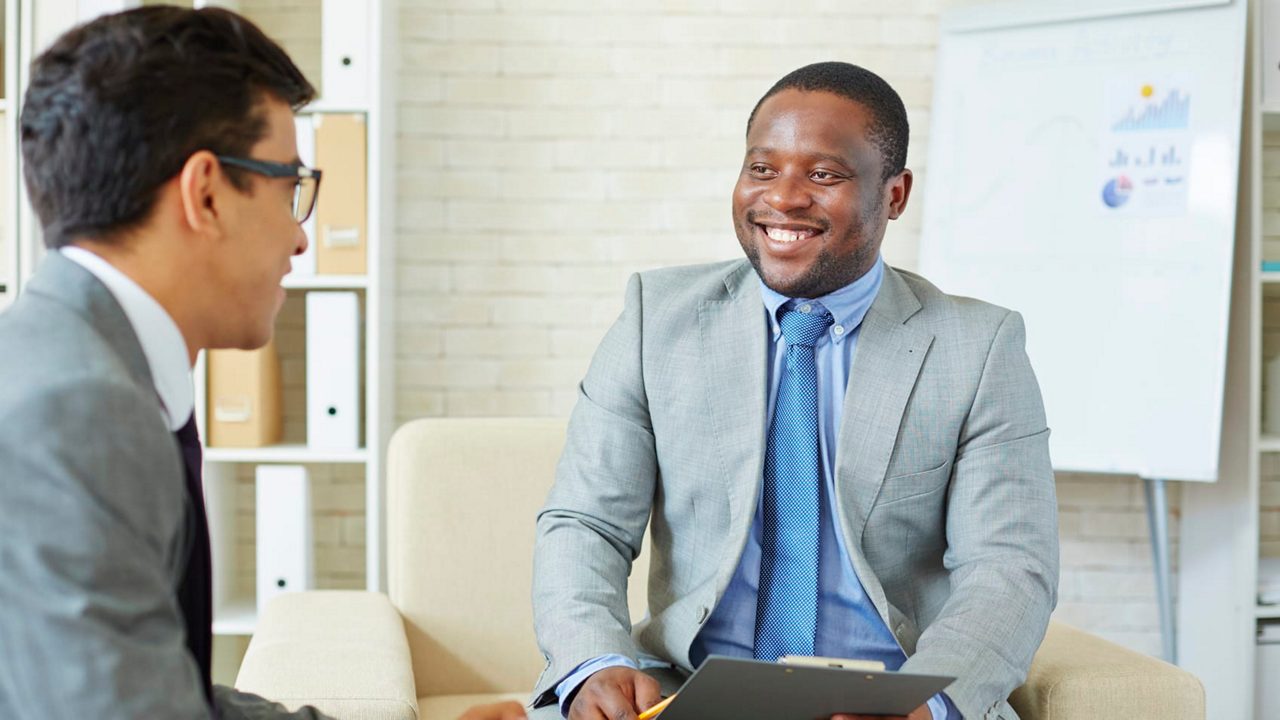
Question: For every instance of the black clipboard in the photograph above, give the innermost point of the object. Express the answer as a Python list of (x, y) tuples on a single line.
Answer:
[(725, 688)]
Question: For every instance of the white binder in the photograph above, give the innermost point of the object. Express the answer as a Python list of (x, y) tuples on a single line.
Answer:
[(344, 53), (333, 370), (304, 265), (285, 560)]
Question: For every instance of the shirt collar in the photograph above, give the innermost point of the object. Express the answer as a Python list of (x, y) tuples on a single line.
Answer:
[(847, 306), (161, 340)]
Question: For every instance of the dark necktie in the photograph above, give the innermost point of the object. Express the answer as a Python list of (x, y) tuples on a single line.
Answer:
[(787, 604), (195, 592)]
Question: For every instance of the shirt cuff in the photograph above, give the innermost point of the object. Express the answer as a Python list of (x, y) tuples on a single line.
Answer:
[(941, 707), (567, 688)]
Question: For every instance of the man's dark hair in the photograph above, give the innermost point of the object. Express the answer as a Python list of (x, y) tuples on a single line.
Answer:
[(117, 105), (889, 130)]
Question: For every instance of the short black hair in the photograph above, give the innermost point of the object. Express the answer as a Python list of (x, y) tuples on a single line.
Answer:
[(889, 129), (117, 105)]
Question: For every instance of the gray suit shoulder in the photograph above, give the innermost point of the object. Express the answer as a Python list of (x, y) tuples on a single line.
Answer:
[(58, 348), (675, 293), (704, 280), (942, 313)]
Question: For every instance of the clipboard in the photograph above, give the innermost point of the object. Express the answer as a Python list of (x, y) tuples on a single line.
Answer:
[(725, 688)]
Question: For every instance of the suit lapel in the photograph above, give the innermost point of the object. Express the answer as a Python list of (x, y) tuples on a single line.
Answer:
[(733, 345), (887, 362)]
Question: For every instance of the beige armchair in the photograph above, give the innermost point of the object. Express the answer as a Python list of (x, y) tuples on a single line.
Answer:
[(455, 628)]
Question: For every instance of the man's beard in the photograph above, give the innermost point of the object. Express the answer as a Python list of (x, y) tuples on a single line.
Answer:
[(828, 272)]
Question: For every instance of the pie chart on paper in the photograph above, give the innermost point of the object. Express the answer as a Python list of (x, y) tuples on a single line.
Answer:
[(1117, 191)]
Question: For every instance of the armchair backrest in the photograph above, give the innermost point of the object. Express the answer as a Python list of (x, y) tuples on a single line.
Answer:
[(462, 500)]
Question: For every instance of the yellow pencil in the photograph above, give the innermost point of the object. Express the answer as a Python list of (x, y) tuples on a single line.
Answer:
[(656, 710)]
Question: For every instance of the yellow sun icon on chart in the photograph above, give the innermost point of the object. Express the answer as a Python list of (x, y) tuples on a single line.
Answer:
[(1148, 91)]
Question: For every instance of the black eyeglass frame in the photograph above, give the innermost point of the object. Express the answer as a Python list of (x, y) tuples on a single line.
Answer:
[(280, 170)]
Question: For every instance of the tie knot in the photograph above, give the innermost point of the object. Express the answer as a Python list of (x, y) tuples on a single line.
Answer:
[(804, 328)]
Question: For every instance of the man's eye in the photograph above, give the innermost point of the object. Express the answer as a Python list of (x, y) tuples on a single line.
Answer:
[(823, 175), (758, 169)]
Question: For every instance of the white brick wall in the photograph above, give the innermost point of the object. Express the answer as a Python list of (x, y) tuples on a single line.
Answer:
[(560, 145), (1269, 517), (1271, 197), (549, 148), (1107, 583)]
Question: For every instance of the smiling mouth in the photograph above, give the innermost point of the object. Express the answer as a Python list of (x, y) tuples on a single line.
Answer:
[(788, 235)]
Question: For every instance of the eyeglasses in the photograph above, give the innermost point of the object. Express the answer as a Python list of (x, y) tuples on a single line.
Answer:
[(306, 186)]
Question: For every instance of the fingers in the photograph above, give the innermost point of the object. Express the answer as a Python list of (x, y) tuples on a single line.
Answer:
[(619, 703), (647, 692), (617, 706), (608, 695)]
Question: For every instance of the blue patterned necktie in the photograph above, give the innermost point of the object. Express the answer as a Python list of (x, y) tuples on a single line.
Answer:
[(787, 605)]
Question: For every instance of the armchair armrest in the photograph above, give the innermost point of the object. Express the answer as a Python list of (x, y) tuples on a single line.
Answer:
[(343, 652), (1076, 675)]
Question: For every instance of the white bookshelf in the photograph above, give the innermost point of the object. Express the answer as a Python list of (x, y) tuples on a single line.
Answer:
[(236, 616), (1218, 615), (292, 454), (235, 607), (30, 25)]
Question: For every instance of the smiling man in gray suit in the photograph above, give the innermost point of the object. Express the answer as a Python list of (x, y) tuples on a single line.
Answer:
[(160, 157), (833, 457)]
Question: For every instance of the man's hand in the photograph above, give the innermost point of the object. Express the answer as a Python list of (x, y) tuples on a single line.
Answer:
[(497, 711), (920, 713), (616, 693)]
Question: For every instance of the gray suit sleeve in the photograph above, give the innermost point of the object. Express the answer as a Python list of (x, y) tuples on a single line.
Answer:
[(232, 704), (1002, 537), (591, 528), (92, 518)]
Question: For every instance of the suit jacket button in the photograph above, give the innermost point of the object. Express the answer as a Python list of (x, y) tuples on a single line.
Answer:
[(702, 615)]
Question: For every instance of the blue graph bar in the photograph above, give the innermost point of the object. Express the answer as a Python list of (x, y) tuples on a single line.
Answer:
[(1172, 114)]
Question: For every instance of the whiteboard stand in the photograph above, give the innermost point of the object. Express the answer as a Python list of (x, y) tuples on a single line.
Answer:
[(1158, 525)]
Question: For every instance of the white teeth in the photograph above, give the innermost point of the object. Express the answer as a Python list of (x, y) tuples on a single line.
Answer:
[(787, 236)]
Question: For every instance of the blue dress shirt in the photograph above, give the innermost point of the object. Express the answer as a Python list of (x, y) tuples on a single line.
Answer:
[(848, 624)]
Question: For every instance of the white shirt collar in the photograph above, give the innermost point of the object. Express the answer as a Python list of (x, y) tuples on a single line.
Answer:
[(161, 340)]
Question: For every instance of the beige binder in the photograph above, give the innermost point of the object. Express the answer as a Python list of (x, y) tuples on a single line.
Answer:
[(244, 398), (341, 242)]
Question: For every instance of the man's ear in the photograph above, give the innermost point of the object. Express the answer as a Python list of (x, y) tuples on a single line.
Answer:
[(198, 186), (898, 191)]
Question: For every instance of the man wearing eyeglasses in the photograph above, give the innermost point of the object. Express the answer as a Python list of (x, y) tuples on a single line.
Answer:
[(160, 157)]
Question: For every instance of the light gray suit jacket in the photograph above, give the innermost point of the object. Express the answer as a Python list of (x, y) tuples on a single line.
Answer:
[(94, 519), (944, 491)]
